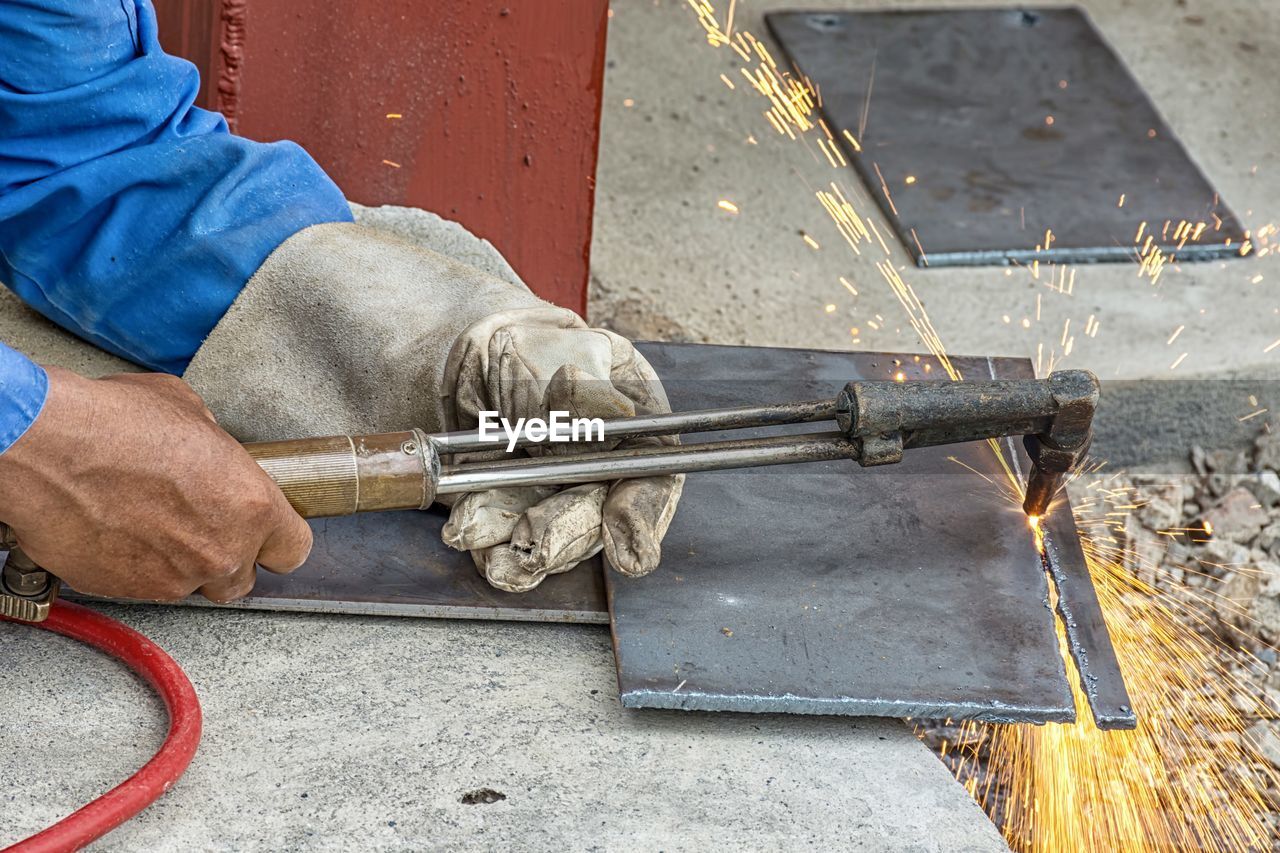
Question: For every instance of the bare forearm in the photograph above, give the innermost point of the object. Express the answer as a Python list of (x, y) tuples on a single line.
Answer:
[(126, 486)]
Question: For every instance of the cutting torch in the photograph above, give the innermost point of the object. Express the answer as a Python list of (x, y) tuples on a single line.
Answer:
[(871, 422)]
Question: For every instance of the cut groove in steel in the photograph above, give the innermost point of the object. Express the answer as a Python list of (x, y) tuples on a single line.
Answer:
[(1079, 610), (1087, 635)]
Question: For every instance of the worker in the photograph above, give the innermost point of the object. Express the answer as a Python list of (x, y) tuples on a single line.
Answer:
[(138, 222)]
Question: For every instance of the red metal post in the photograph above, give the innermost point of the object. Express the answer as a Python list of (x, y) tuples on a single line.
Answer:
[(485, 112)]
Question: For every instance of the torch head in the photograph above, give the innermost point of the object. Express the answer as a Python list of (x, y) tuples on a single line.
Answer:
[(1041, 489), (1054, 416), (1057, 449)]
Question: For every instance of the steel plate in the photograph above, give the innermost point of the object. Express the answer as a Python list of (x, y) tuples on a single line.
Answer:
[(1011, 122), (394, 564), (913, 590)]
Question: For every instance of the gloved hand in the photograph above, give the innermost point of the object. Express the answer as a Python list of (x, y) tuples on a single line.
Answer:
[(527, 363), (348, 329)]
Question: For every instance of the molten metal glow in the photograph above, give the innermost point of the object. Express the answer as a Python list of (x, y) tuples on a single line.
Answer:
[(1033, 521)]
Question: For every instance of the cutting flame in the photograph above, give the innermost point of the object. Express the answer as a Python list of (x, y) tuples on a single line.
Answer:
[(1033, 521)]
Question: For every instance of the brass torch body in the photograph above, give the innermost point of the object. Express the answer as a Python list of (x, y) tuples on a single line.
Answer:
[(343, 475)]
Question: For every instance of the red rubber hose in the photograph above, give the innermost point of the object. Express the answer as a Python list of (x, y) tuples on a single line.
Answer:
[(168, 764)]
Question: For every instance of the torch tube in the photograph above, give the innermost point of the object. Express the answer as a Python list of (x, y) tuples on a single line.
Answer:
[(648, 462), (672, 423)]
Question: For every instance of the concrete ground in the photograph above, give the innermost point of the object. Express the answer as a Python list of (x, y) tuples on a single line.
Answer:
[(343, 733), (337, 733)]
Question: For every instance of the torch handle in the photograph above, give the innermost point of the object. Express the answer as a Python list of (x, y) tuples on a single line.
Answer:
[(343, 475)]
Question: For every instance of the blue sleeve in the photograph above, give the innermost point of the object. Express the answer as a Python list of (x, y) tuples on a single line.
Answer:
[(127, 215), (23, 387)]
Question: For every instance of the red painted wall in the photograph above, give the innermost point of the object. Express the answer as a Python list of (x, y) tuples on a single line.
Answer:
[(500, 106)]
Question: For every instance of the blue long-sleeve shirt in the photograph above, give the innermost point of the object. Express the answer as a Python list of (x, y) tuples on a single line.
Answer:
[(127, 215)]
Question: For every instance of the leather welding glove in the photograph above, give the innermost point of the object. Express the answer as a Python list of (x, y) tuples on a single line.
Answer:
[(526, 363), (403, 319)]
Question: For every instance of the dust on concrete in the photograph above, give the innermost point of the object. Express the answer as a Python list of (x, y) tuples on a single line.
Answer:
[(635, 317)]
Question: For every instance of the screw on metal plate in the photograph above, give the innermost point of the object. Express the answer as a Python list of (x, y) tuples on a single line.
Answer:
[(409, 447), (826, 23)]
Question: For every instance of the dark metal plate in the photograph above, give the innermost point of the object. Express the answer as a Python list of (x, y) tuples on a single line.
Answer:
[(913, 590), (962, 100), (394, 563)]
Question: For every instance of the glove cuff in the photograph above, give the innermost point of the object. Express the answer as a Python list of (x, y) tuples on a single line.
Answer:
[(345, 329)]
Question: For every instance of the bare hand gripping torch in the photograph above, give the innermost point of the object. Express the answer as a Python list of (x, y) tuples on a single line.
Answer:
[(874, 423)]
